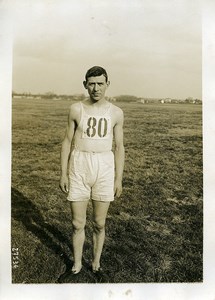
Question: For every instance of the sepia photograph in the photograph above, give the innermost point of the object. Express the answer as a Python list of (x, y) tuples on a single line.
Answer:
[(107, 173), (108, 185)]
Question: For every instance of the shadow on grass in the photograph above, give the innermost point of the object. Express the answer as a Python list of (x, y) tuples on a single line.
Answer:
[(26, 212)]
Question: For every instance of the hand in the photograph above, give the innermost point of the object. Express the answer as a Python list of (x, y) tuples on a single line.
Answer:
[(117, 188), (64, 184)]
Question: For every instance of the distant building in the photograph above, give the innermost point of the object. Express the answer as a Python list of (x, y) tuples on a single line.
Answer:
[(17, 96), (143, 101), (111, 99), (166, 100), (175, 101)]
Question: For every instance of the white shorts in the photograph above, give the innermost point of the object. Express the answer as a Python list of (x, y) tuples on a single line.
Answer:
[(91, 175)]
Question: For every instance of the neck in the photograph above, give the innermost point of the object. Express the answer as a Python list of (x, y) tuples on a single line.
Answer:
[(99, 102)]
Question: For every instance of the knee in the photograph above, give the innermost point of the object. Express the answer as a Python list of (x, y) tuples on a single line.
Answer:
[(99, 225), (78, 225)]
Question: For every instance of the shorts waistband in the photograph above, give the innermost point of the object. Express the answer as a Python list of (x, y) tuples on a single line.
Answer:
[(94, 152)]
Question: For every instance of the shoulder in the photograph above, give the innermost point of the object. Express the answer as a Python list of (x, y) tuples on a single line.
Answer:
[(75, 110), (117, 111), (118, 116), (75, 106)]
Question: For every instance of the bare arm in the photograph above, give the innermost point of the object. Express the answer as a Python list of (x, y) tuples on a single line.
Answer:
[(65, 151), (119, 154)]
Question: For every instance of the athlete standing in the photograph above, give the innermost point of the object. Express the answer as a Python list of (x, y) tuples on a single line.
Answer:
[(89, 169)]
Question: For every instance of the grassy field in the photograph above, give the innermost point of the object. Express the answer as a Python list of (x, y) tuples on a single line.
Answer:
[(154, 231)]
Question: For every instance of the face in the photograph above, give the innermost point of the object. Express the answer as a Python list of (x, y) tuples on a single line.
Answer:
[(96, 87)]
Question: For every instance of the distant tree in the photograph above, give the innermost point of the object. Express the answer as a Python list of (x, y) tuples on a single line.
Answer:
[(126, 98), (50, 95)]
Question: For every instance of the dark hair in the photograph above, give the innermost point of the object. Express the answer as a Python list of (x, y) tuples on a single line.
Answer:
[(96, 71)]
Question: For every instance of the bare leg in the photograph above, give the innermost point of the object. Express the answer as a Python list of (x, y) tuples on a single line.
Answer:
[(100, 210), (78, 221)]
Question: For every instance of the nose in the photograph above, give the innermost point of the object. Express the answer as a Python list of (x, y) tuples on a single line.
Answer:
[(96, 87)]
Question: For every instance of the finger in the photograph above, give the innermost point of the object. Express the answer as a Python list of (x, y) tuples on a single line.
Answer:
[(119, 192), (63, 188), (66, 188), (116, 193)]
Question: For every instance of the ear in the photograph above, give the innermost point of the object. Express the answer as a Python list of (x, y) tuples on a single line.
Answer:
[(108, 83), (85, 84)]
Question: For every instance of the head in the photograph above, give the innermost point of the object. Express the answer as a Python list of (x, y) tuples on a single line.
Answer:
[(96, 82)]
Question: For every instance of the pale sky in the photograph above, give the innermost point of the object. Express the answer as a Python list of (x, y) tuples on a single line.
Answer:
[(149, 48)]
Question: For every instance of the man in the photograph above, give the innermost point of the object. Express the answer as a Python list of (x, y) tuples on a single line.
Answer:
[(92, 125)]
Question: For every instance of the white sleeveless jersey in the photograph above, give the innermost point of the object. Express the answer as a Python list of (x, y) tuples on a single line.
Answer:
[(94, 133)]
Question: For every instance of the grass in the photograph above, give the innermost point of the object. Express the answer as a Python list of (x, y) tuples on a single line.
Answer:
[(153, 232)]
